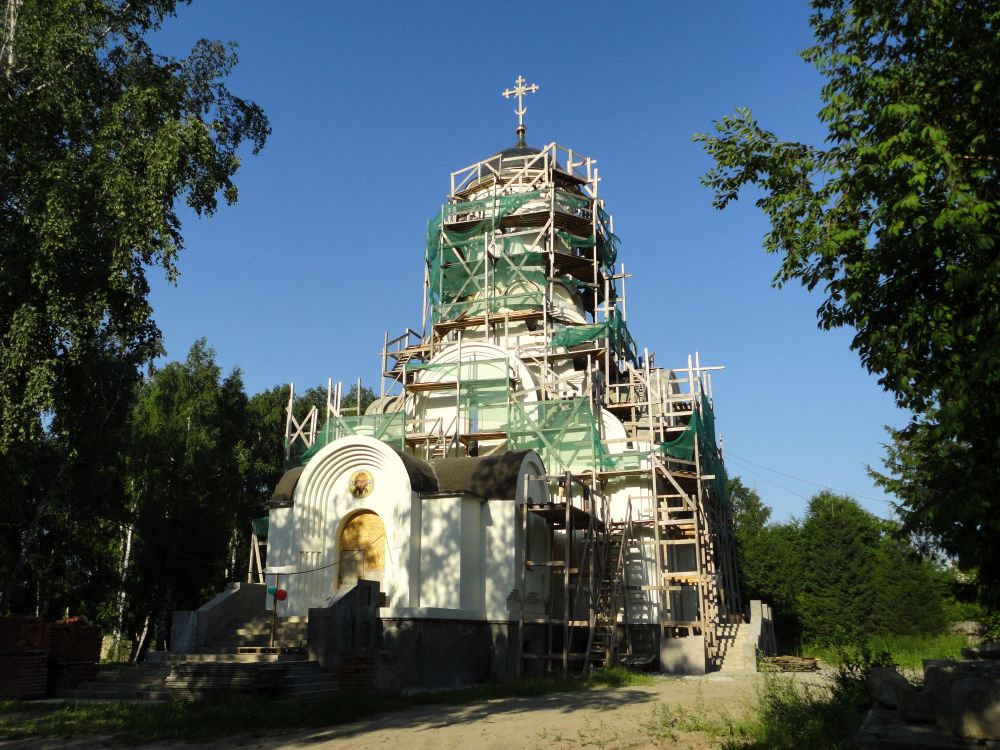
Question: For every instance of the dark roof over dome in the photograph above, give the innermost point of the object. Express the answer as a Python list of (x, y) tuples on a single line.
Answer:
[(521, 148), (487, 477)]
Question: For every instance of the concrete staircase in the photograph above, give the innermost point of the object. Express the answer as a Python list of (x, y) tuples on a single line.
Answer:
[(255, 632), (218, 668), (734, 654)]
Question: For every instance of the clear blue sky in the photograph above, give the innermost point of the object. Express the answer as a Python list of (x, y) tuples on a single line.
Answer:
[(374, 104)]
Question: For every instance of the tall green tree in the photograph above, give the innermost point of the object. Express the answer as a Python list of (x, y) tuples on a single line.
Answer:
[(896, 219), (837, 573), (101, 140), (750, 531), (190, 511), (767, 556), (838, 565)]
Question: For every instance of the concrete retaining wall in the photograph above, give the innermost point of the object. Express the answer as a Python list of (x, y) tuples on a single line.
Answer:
[(189, 630), (451, 653)]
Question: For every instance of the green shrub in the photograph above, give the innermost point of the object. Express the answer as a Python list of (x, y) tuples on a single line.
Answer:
[(903, 651)]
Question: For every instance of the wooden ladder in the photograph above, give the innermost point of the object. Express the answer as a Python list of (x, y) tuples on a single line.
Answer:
[(602, 639)]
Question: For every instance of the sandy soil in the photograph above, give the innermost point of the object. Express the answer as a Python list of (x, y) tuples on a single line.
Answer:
[(613, 718), (658, 715)]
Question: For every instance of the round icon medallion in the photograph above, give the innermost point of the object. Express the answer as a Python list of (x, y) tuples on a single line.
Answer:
[(362, 483)]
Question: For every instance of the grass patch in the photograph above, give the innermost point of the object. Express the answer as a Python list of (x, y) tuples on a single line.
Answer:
[(789, 715), (137, 723), (667, 722), (903, 651)]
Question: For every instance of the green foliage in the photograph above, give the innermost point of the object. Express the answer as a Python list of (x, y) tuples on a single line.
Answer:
[(196, 461), (350, 404), (838, 586), (189, 504), (667, 721), (895, 220), (789, 715), (902, 650), (840, 573), (100, 140), (750, 526)]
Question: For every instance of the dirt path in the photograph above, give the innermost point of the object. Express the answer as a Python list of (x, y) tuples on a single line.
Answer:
[(667, 713), (631, 717)]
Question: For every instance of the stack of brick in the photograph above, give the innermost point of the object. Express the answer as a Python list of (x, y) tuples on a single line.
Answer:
[(74, 651), (370, 670), (24, 653)]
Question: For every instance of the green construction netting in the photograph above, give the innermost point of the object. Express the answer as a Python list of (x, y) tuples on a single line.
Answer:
[(259, 526), (491, 306), (613, 329), (604, 222), (607, 247), (389, 428), (564, 433), (483, 396), (471, 274), (701, 429), (682, 446), (464, 281), (626, 461), (579, 335)]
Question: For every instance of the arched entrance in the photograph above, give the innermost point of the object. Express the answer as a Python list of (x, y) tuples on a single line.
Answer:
[(362, 549)]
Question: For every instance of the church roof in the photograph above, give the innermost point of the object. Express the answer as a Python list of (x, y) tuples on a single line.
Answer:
[(520, 150), (486, 477), (422, 477), (282, 495)]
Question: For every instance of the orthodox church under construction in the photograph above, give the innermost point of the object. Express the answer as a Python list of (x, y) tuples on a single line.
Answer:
[(529, 492)]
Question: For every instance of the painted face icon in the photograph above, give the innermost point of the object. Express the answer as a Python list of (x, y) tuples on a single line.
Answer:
[(361, 484)]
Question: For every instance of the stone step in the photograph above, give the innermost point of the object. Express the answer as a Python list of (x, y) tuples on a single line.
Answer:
[(224, 657), (112, 694), (130, 682), (105, 672), (230, 645), (231, 642), (266, 631), (307, 678), (312, 690)]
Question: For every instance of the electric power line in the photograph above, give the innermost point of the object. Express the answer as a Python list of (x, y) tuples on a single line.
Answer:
[(740, 460), (761, 477)]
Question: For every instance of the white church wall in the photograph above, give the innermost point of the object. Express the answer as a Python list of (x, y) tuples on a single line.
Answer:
[(322, 504), (441, 552), (472, 572), (499, 523), (280, 541)]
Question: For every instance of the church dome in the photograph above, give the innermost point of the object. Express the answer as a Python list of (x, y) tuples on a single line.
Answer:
[(514, 157)]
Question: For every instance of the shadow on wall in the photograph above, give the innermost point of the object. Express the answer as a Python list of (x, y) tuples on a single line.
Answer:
[(348, 625), (487, 477)]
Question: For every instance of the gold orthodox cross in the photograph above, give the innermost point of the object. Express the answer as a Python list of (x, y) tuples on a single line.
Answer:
[(519, 91)]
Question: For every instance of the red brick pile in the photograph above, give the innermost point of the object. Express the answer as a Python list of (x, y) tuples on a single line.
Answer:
[(74, 651), (370, 670), (24, 654)]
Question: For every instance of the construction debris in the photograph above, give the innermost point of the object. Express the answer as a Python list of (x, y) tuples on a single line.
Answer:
[(789, 664)]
